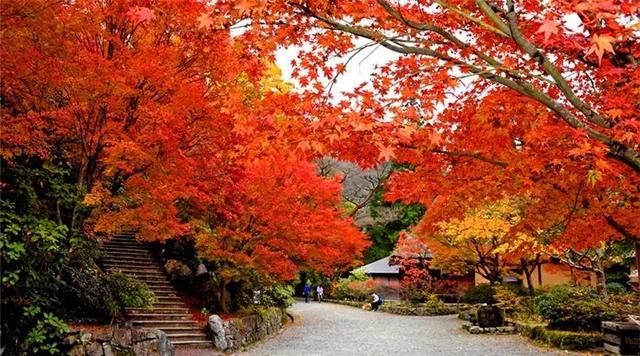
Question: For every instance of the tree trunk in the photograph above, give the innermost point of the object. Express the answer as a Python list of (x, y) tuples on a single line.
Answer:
[(601, 283), (222, 287), (527, 274)]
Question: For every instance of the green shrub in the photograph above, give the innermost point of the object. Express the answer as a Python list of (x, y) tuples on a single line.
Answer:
[(433, 302), (566, 340), (343, 288), (46, 336), (280, 296), (127, 292), (573, 308), (415, 295), (482, 293), (616, 288)]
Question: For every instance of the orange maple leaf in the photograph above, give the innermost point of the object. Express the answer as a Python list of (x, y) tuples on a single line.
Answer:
[(386, 153), (600, 45), (405, 133), (205, 21)]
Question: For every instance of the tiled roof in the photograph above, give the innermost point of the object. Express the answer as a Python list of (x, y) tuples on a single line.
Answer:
[(380, 266)]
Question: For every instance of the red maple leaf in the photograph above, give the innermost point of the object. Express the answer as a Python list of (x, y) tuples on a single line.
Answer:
[(141, 14), (548, 28)]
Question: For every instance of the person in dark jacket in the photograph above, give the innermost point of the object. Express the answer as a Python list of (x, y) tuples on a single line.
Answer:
[(376, 303), (306, 292)]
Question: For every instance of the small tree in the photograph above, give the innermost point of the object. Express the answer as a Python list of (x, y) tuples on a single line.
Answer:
[(484, 238)]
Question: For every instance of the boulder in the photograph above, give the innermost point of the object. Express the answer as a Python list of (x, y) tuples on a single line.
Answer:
[(216, 326), (178, 269), (490, 316)]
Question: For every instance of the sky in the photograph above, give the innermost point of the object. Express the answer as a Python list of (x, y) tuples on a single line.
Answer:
[(359, 69)]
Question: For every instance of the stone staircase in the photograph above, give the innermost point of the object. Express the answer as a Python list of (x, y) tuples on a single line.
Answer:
[(125, 254)]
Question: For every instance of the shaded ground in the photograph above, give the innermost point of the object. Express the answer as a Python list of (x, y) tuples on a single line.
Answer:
[(330, 329)]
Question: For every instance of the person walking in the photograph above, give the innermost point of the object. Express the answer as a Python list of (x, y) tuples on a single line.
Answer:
[(376, 303), (319, 293), (306, 292)]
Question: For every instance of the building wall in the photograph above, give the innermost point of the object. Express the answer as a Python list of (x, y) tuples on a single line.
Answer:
[(552, 274), (391, 281)]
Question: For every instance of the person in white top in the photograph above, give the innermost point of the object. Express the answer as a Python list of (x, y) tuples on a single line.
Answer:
[(319, 293), (377, 301)]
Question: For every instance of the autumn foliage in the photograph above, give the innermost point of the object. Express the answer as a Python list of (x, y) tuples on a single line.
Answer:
[(175, 122), (485, 101), (173, 127)]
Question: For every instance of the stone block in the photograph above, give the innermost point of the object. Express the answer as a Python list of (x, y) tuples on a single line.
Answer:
[(490, 316)]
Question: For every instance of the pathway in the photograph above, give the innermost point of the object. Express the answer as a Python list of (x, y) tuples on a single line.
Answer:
[(330, 329)]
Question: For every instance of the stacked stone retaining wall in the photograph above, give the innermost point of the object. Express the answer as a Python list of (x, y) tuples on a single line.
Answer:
[(231, 335)]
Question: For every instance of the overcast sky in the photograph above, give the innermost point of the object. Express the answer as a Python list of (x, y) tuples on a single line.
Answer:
[(359, 69)]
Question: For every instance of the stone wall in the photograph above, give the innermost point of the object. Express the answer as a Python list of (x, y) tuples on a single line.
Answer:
[(122, 341), (230, 335)]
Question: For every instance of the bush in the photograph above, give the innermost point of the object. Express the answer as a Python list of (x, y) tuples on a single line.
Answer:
[(45, 337), (415, 295), (280, 296), (127, 292), (616, 288), (358, 287), (342, 290), (573, 308), (433, 302), (571, 340), (482, 293)]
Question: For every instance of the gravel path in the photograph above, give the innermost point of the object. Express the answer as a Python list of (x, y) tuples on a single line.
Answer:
[(330, 329)]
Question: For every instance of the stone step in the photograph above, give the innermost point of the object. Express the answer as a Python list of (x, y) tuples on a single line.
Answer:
[(125, 253), (131, 248), (139, 311), (159, 324), (168, 305), (129, 264), (164, 291), (162, 298), (133, 269), (160, 316), (179, 329), (124, 259), (143, 274), (190, 337), (191, 343), (145, 279), (160, 286), (125, 241)]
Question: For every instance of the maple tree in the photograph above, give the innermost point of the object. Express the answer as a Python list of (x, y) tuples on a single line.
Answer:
[(289, 223), (167, 122), (482, 238), (484, 100)]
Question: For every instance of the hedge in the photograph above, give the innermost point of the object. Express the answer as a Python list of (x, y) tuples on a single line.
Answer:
[(402, 308), (566, 340)]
